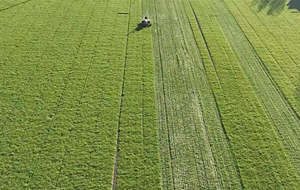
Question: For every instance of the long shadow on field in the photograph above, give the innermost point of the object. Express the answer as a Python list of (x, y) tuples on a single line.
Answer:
[(14, 5), (294, 4), (274, 6), (139, 27)]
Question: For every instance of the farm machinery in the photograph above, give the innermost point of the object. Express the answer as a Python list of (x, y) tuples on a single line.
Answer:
[(146, 21)]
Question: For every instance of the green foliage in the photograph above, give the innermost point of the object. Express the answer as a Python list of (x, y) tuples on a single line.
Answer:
[(138, 165), (79, 80), (195, 151), (61, 72), (279, 96), (256, 117)]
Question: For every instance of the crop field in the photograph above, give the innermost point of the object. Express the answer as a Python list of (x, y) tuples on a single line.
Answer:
[(208, 97)]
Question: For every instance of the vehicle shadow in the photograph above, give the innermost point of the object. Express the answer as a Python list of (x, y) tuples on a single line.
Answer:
[(273, 6), (294, 4), (139, 27)]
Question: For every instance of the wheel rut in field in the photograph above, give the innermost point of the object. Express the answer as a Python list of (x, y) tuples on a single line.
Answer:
[(192, 137), (164, 99), (17, 4), (214, 97), (277, 104), (275, 110), (205, 42), (115, 170)]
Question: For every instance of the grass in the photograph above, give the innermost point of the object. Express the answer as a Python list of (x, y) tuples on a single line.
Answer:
[(256, 130), (61, 91), (205, 98), (194, 149), (281, 102), (138, 157), (257, 127)]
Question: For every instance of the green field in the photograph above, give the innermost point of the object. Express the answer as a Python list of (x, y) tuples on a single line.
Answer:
[(208, 97)]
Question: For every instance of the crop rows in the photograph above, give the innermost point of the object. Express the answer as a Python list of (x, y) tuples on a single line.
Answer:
[(278, 35), (79, 81), (280, 110), (259, 129), (62, 73), (195, 151), (137, 162), (243, 82)]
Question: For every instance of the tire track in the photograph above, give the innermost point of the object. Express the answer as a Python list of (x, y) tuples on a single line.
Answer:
[(143, 100), (264, 67), (196, 94), (268, 49), (12, 6), (206, 131), (214, 97), (11, 17), (164, 95), (115, 170), (255, 77), (283, 133), (235, 73), (270, 32), (191, 75), (184, 83), (205, 43)]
